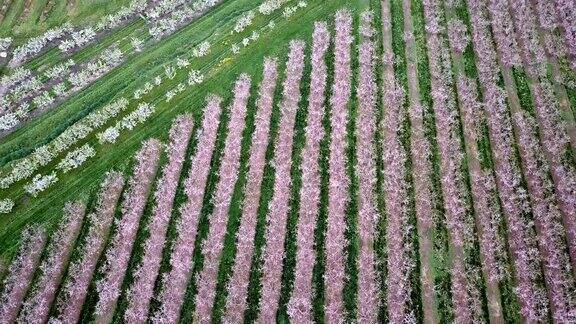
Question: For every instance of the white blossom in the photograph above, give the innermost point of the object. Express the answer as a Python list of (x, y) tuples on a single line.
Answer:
[(43, 100), (8, 121), (144, 90), (244, 21), (137, 44), (195, 77), (66, 45), (136, 117), (5, 43), (109, 58), (170, 72), (182, 63), (83, 36), (17, 76), (109, 135), (42, 155), (36, 44), (269, 6), (60, 70), (76, 158), (23, 110), (169, 95), (201, 50), (40, 183), (25, 167), (6, 206), (59, 89)]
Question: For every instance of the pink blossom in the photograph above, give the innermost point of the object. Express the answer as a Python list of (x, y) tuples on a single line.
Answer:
[(549, 23), (459, 221), (36, 307), (504, 33), (513, 195), (420, 152), (118, 254), (566, 10), (338, 182), (212, 246), (175, 281), (395, 186), (142, 289), (557, 272), (80, 272), (279, 206), (531, 52), (21, 272), (482, 183), (368, 285), (300, 304), (458, 35), (238, 286), (552, 127)]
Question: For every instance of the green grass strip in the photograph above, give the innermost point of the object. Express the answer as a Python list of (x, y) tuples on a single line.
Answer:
[(235, 212), (441, 268), (188, 306), (510, 304), (399, 48), (318, 298), (266, 188)]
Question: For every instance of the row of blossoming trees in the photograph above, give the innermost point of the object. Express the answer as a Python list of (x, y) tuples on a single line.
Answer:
[(437, 169)]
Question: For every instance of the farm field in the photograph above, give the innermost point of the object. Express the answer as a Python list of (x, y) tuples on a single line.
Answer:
[(403, 161)]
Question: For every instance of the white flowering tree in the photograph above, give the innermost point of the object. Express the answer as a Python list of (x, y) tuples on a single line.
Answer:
[(109, 135), (8, 121), (244, 21), (170, 72), (4, 45), (201, 50), (6, 206), (40, 183), (195, 77), (137, 44), (76, 158)]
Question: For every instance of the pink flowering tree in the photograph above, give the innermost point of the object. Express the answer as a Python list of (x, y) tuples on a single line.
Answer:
[(214, 243), (75, 287), (338, 181), (238, 286), (300, 304), (21, 272), (118, 254), (279, 206), (175, 281), (37, 305), (142, 290)]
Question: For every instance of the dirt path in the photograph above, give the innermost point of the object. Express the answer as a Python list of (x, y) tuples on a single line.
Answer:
[(395, 157), (563, 172), (559, 90), (475, 168), (28, 4), (472, 153), (4, 9), (421, 171), (516, 108)]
